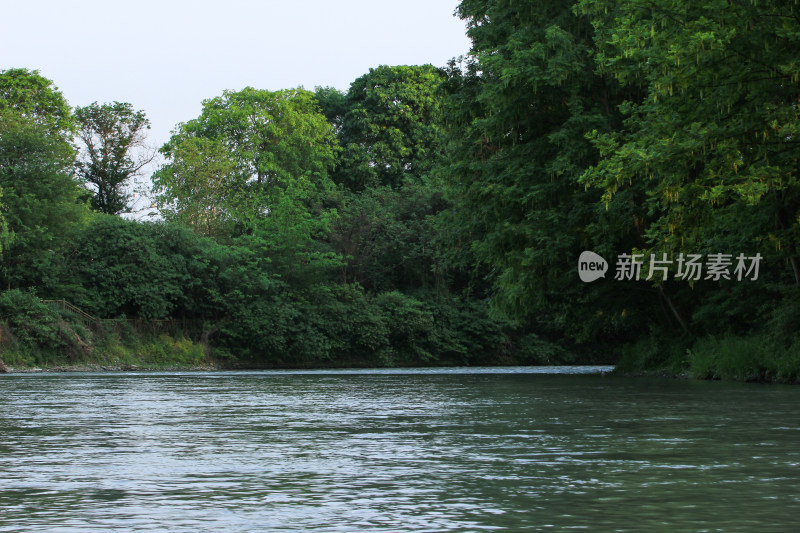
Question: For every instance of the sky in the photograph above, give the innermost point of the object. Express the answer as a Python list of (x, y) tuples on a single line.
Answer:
[(165, 57)]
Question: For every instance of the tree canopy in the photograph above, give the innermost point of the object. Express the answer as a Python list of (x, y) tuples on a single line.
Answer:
[(35, 97), (388, 123), (438, 215), (261, 143), (114, 153), (41, 199)]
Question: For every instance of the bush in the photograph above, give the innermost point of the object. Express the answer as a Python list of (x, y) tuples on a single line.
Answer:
[(38, 328), (653, 353), (751, 358)]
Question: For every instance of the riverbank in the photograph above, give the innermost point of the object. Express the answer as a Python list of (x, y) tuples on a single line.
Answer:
[(753, 358), (727, 359), (149, 352), (105, 368), (37, 334), (42, 339)]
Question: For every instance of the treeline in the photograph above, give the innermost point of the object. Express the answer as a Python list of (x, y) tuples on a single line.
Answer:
[(648, 128), (436, 215), (296, 228)]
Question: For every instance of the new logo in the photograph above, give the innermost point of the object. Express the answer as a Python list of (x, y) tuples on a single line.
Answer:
[(591, 267)]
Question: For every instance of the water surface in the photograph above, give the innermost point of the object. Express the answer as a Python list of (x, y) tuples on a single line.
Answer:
[(392, 451)]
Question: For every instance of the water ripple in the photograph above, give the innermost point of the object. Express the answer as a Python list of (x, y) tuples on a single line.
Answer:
[(394, 451)]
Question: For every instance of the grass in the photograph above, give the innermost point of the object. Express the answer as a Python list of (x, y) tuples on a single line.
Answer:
[(756, 357), (114, 348), (745, 358), (653, 354)]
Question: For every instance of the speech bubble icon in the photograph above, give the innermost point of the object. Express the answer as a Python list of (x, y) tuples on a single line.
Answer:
[(591, 266)]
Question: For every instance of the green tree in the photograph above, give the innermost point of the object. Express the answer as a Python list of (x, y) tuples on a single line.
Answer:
[(274, 139), (114, 153), (333, 104), (35, 97), (5, 236), (517, 114), (388, 123), (40, 198), (388, 237), (198, 187), (710, 145), (148, 270)]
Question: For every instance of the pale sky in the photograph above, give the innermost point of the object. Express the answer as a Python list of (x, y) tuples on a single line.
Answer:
[(166, 56)]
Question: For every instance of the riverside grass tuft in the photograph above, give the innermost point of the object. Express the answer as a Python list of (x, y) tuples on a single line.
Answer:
[(749, 358)]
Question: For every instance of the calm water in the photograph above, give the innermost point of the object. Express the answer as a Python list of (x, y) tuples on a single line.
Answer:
[(486, 450)]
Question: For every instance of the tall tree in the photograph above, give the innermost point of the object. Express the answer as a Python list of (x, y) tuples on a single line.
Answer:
[(274, 140), (518, 111), (40, 197), (388, 124), (198, 187), (711, 144), (114, 153), (35, 97)]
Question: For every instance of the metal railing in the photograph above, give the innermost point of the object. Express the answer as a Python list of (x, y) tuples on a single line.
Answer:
[(138, 324), (67, 308)]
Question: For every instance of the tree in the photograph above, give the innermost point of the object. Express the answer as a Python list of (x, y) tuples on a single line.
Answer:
[(35, 97), (40, 197), (517, 113), (333, 104), (710, 145), (5, 236), (388, 237), (196, 188), (388, 125), (151, 270), (114, 152), (273, 139)]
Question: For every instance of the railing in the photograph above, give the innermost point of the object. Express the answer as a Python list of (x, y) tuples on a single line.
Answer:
[(138, 324), (67, 308)]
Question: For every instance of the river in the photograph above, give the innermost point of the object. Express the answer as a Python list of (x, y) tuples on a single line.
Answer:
[(509, 449)]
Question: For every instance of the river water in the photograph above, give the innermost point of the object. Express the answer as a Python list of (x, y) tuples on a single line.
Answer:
[(509, 449)]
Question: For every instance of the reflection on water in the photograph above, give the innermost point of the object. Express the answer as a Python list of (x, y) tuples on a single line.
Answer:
[(488, 450)]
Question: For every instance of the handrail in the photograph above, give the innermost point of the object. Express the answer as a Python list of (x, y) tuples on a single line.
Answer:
[(90, 320), (69, 308)]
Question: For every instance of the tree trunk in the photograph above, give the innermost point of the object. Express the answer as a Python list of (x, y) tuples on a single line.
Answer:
[(206, 336), (672, 308)]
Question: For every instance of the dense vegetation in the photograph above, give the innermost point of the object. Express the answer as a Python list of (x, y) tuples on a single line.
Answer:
[(436, 215)]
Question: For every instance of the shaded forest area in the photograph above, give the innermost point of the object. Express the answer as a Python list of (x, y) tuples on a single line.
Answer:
[(432, 216)]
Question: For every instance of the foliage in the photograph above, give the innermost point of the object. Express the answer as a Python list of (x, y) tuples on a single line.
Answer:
[(387, 237), (118, 267), (751, 358), (37, 330), (34, 97), (114, 152), (388, 125), (36, 334), (195, 189), (272, 139), (709, 143), (41, 203), (642, 127), (654, 352), (32, 322), (516, 115), (375, 226), (167, 351)]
